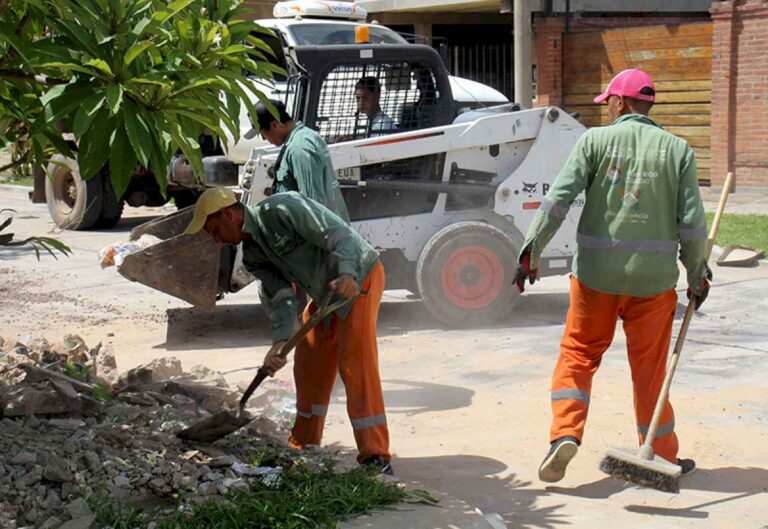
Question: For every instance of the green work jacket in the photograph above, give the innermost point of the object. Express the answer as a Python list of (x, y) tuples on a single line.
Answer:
[(642, 206)]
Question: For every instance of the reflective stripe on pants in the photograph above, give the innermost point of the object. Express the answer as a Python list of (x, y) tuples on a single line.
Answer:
[(589, 330), (348, 347)]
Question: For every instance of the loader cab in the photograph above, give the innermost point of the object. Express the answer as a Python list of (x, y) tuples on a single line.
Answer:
[(414, 94)]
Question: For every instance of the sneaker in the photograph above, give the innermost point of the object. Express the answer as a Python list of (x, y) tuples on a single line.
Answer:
[(384, 466), (552, 469), (687, 465)]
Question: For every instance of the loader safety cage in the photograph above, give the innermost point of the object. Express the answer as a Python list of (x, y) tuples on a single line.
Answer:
[(414, 89)]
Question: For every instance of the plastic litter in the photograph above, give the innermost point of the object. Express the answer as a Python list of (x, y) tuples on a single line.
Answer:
[(114, 254)]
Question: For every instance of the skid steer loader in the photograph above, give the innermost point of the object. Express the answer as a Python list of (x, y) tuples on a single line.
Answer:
[(445, 198)]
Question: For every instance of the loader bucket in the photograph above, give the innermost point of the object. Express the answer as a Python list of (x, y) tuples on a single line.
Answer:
[(184, 266)]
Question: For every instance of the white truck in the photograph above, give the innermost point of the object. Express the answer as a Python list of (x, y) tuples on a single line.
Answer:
[(78, 204), (446, 198)]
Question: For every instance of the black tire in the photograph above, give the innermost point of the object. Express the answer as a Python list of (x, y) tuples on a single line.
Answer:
[(186, 198), (112, 207), (465, 275), (74, 204)]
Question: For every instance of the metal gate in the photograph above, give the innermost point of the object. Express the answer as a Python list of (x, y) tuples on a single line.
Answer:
[(490, 64)]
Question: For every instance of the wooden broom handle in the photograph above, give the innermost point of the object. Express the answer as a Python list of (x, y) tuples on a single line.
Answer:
[(646, 450)]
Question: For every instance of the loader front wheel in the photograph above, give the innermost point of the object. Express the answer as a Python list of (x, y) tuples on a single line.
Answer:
[(465, 275)]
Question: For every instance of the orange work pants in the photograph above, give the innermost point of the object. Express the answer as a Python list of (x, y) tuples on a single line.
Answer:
[(347, 346), (589, 330)]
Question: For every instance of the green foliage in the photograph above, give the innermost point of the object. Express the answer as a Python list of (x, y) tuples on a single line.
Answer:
[(134, 80), (303, 498), (48, 244), (76, 372)]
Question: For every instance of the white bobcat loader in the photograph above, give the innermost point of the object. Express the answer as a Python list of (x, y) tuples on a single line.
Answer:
[(445, 198)]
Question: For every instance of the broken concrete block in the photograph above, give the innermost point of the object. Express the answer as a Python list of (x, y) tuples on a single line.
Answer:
[(85, 522), (26, 400), (201, 392), (204, 375), (67, 424), (75, 349), (114, 434), (57, 470), (32, 477), (105, 366), (23, 458), (157, 370), (79, 508), (65, 389), (51, 523)]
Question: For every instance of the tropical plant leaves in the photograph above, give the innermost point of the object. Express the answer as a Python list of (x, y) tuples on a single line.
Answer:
[(134, 81)]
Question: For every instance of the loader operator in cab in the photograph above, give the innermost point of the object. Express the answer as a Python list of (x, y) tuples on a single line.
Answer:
[(304, 163), (368, 96), (642, 207), (289, 239)]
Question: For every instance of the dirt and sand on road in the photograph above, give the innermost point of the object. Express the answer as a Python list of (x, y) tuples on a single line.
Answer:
[(468, 410)]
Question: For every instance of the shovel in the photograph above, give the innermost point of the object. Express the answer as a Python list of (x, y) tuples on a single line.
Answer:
[(225, 422)]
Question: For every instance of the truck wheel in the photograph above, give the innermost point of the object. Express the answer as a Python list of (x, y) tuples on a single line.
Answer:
[(112, 207), (74, 203), (465, 275)]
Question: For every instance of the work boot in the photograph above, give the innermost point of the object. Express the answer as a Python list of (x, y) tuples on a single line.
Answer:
[(561, 452), (384, 466), (688, 466)]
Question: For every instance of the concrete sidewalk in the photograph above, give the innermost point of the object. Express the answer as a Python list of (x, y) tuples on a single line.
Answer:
[(743, 201)]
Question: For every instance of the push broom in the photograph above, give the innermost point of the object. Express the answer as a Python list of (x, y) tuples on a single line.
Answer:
[(642, 467)]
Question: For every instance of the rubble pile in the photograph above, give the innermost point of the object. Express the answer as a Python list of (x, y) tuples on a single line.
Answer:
[(69, 426)]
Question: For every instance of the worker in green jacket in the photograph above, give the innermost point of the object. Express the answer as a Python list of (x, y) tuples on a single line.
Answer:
[(304, 163), (642, 205), (289, 239)]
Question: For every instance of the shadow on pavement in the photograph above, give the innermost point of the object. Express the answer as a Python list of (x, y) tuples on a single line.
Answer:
[(490, 492), (740, 482), (421, 397), (233, 325)]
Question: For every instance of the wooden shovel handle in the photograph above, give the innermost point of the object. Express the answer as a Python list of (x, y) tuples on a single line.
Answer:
[(326, 308)]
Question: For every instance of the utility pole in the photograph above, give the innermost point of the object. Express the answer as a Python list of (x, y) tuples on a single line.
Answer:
[(523, 63)]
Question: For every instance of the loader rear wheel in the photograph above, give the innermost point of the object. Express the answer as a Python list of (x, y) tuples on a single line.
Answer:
[(465, 275), (73, 203)]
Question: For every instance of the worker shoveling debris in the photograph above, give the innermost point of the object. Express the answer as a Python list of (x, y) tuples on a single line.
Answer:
[(71, 426)]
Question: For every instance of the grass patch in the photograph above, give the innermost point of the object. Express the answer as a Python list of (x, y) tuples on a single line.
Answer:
[(302, 499), (26, 181), (744, 230)]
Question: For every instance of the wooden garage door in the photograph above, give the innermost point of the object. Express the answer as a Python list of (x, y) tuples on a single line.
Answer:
[(678, 58)]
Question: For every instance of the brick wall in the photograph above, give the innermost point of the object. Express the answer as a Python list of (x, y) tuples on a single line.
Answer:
[(740, 92), (548, 53)]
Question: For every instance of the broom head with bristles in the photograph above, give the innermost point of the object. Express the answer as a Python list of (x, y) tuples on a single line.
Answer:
[(627, 465)]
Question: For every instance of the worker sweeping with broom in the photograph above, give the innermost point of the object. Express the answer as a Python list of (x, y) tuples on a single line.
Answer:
[(642, 205)]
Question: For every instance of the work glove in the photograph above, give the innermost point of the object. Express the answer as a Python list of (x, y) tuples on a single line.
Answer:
[(524, 271), (704, 292)]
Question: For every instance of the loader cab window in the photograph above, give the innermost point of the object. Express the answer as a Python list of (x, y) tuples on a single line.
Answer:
[(358, 101), (366, 100)]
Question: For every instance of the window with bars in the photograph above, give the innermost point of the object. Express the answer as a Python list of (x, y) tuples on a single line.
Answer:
[(366, 100)]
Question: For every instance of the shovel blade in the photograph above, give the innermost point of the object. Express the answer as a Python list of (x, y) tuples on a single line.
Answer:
[(214, 427)]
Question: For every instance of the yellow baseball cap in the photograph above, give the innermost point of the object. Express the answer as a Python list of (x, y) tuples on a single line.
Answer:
[(211, 201)]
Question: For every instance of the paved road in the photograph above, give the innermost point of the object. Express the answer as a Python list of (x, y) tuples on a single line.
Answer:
[(468, 409)]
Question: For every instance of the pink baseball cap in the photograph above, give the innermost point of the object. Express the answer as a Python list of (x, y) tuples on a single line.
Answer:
[(630, 83)]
